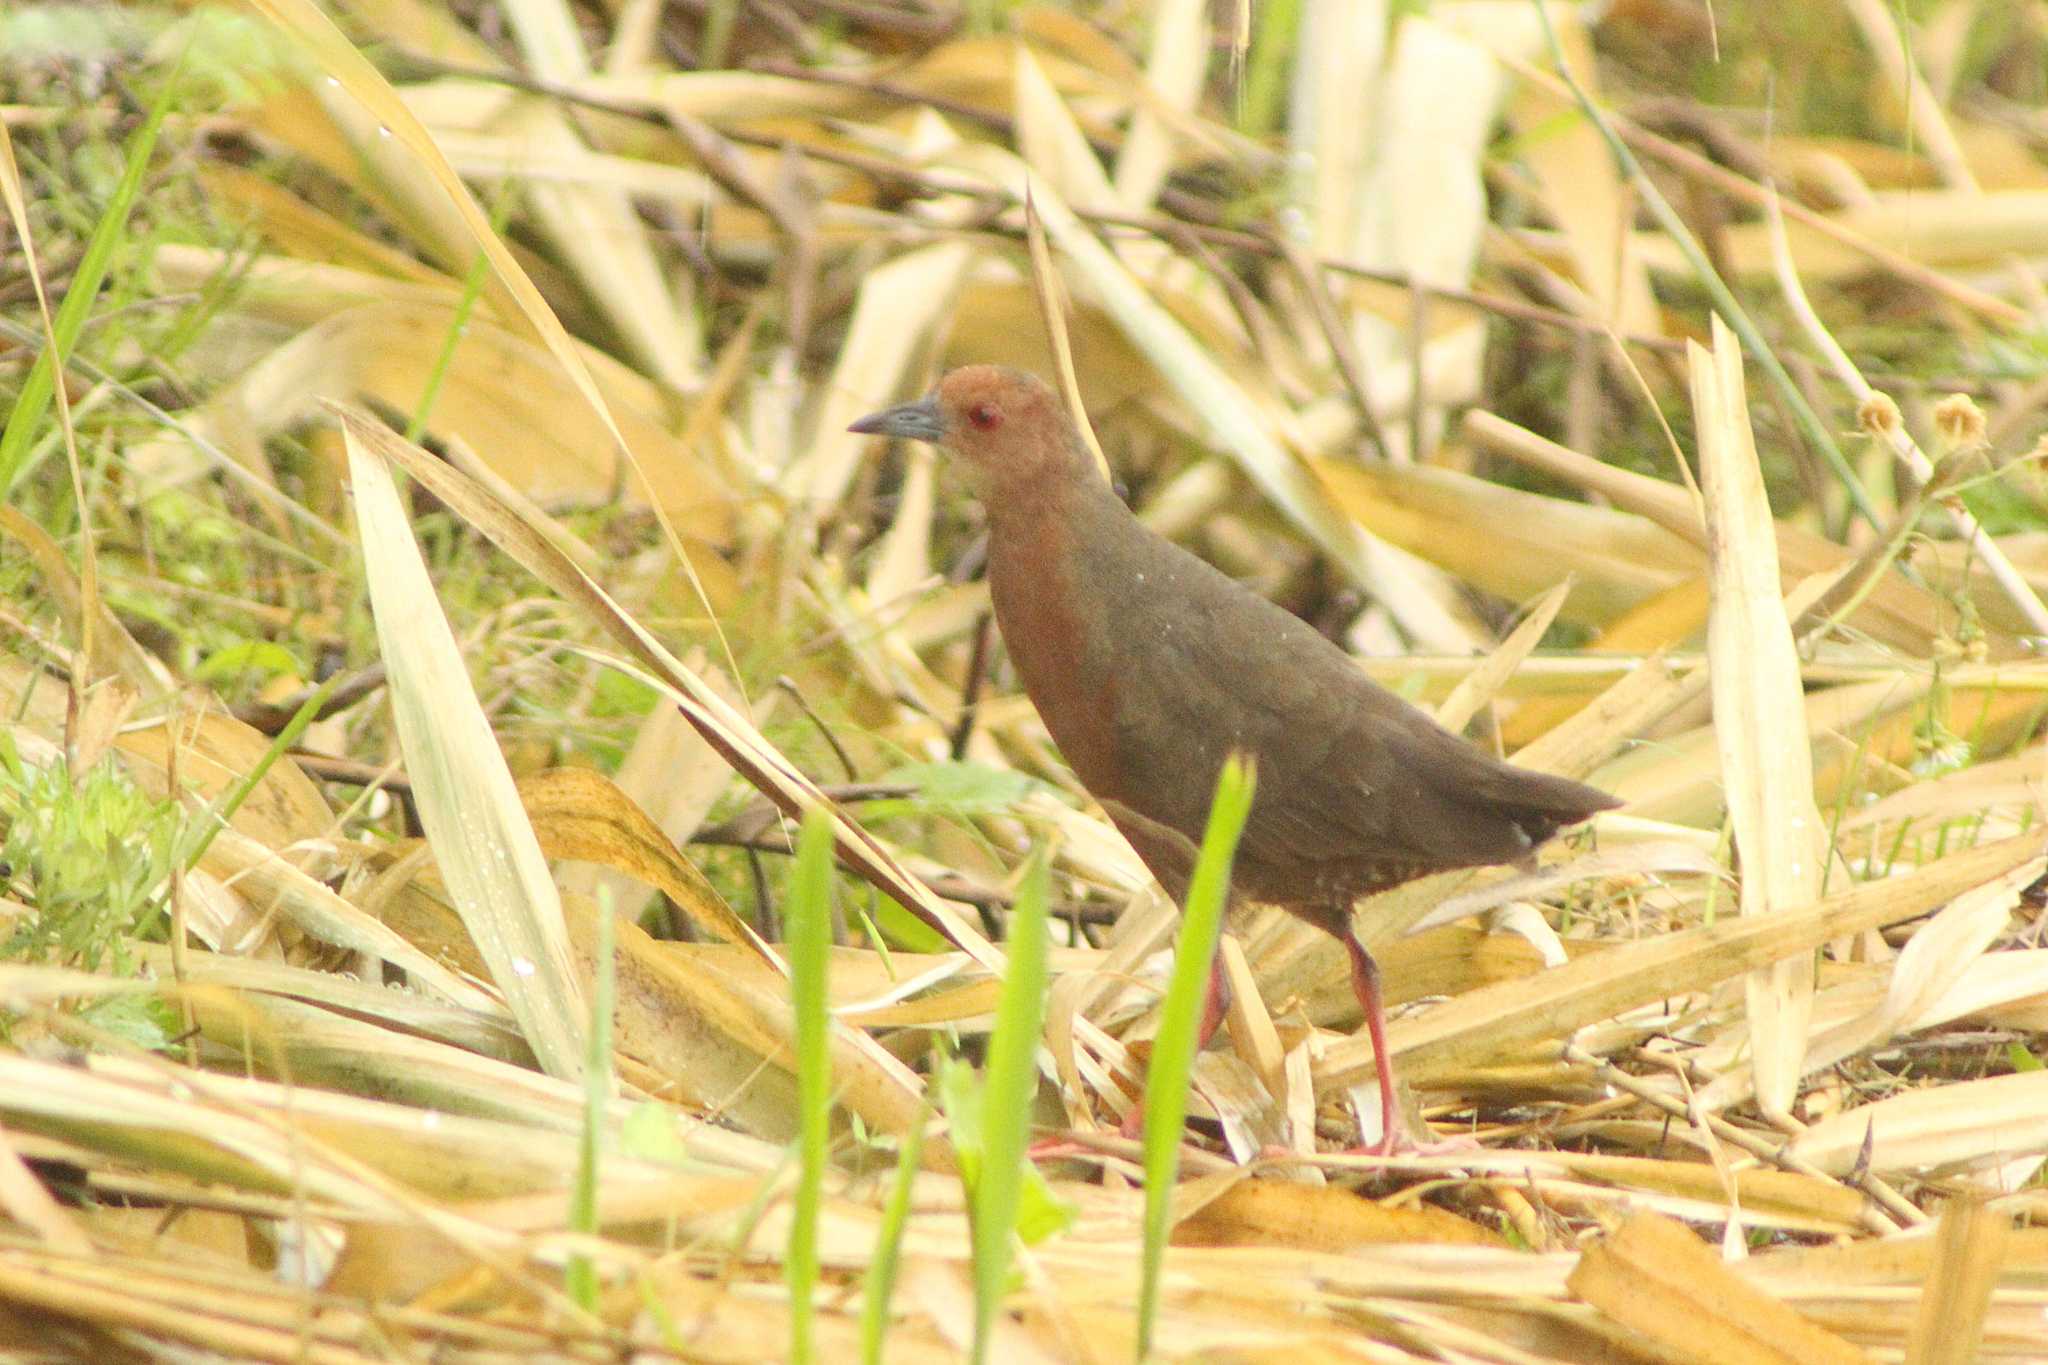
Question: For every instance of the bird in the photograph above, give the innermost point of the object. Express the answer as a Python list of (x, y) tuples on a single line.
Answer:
[(1149, 666)]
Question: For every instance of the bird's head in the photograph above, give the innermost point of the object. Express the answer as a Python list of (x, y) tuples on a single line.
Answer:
[(1008, 425)]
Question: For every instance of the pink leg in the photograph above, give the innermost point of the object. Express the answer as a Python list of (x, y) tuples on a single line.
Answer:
[(1215, 1004), (1365, 980)]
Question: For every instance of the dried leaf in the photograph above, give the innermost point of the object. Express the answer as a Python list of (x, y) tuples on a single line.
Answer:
[(1660, 1281)]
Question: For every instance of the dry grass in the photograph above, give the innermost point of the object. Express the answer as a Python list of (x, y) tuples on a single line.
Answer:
[(1752, 1064)]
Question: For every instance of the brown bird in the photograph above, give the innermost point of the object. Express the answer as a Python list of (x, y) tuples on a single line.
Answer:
[(1148, 666)]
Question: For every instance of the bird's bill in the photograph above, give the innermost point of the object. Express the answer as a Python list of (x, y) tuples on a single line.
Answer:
[(919, 421)]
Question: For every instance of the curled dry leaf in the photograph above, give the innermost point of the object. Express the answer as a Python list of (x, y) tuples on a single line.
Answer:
[(579, 813)]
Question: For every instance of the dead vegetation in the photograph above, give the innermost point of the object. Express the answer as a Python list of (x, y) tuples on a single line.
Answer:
[(328, 753)]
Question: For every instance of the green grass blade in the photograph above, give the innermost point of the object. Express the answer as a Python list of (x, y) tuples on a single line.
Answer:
[(810, 942), (1012, 1084), (201, 836), (880, 1285), (458, 325), (1173, 1051), (81, 293), (580, 1278), (1267, 67)]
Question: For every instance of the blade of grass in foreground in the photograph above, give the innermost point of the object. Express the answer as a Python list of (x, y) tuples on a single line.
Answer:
[(880, 1284), (810, 935), (482, 837), (199, 836), (581, 1276), (458, 325), (1173, 1051), (1012, 1082)]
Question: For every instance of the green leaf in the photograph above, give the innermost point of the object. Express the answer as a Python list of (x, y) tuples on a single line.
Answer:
[(997, 1189), (963, 788), (80, 295), (262, 657), (144, 1021), (906, 931), (1040, 1212), (1173, 1051), (810, 947), (649, 1134), (879, 1285)]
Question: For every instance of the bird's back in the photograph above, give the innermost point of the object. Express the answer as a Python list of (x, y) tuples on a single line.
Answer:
[(1149, 666)]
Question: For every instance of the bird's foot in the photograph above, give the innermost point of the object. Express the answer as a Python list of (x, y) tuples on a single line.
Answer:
[(1402, 1143), (1053, 1149), (1076, 1143), (1132, 1127)]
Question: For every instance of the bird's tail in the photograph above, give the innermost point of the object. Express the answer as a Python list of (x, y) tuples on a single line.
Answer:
[(1540, 804)]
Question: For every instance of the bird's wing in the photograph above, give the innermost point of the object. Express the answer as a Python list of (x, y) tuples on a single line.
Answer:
[(1346, 770)]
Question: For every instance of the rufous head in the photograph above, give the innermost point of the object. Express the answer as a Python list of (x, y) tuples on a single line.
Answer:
[(1009, 425)]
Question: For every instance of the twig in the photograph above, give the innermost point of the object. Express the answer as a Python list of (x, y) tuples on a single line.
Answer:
[(271, 717), (1778, 1153), (950, 886), (1696, 167), (1725, 302), (970, 694), (789, 685), (1343, 347)]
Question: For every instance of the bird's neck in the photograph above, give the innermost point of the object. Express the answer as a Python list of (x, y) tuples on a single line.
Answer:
[(1048, 547), (1038, 527)]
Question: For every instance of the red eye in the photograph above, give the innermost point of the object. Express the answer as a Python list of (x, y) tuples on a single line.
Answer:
[(985, 416)]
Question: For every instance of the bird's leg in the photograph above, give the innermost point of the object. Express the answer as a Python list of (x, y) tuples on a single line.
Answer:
[(1215, 1005), (1215, 1001), (1365, 980)]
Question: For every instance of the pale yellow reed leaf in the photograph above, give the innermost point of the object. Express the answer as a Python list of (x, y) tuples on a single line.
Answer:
[(1513, 543), (1969, 1254), (1478, 687), (596, 228), (1340, 46), (265, 877), (1966, 1123), (483, 844), (1759, 709), (1173, 76)]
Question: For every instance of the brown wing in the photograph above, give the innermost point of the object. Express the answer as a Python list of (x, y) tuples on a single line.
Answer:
[(1347, 771)]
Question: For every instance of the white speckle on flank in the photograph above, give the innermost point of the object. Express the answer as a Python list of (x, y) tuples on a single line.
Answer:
[(521, 967), (430, 1120)]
